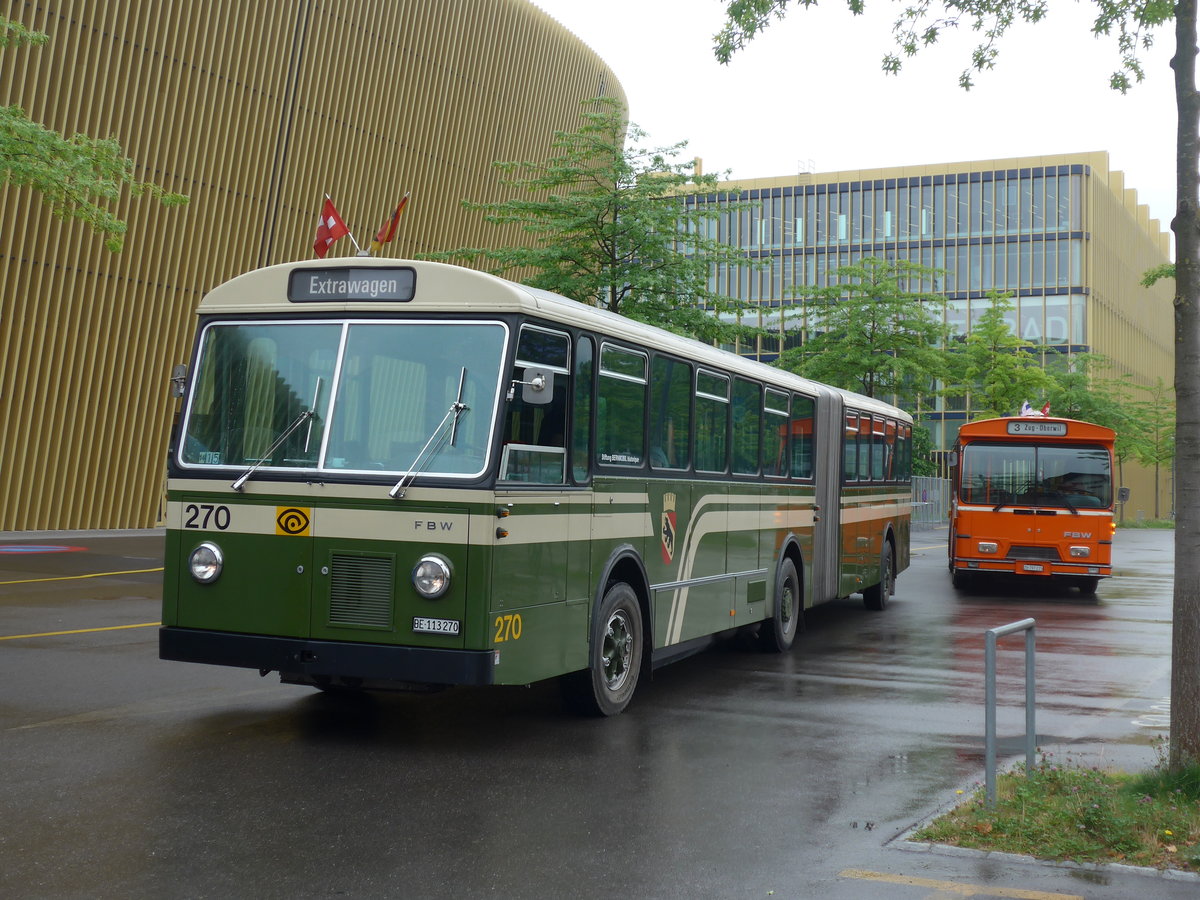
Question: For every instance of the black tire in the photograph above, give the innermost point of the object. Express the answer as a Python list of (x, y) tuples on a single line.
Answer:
[(606, 686), (1087, 585), (960, 579), (778, 633), (877, 595)]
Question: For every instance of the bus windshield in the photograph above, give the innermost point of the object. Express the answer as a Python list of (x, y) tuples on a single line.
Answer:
[(376, 392), (1023, 474)]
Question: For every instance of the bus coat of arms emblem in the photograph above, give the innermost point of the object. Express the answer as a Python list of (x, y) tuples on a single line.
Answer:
[(668, 528)]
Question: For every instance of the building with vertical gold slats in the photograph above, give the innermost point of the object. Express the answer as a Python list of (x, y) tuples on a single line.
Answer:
[(254, 111)]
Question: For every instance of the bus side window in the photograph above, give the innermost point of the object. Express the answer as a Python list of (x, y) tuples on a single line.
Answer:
[(747, 426), (712, 422), (670, 413), (802, 425), (621, 407), (581, 423), (775, 434), (850, 449)]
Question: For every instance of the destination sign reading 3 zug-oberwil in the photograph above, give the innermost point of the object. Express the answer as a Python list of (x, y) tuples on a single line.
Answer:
[(336, 285)]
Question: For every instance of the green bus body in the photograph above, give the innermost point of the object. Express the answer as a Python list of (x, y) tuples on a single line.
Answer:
[(319, 530)]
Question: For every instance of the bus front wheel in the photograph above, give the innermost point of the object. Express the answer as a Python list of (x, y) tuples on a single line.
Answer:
[(878, 594), (606, 686), (779, 632)]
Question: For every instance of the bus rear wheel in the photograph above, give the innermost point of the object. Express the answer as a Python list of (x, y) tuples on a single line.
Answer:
[(606, 686), (878, 594), (779, 632)]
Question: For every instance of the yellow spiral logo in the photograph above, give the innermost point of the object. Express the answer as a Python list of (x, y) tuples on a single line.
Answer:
[(292, 520)]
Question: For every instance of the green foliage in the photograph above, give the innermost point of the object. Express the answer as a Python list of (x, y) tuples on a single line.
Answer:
[(922, 462), (14, 34), (1156, 274), (610, 228), (995, 366), (78, 177), (1062, 811), (869, 332), (921, 24)]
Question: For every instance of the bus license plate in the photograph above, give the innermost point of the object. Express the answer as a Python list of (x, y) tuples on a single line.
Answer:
[(435, 626), (1028, 567)]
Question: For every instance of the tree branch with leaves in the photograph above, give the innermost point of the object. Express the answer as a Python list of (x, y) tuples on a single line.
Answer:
[(78, 177), (610, 226)]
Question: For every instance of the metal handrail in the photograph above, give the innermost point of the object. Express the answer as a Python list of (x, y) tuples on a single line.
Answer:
[(991, 636)]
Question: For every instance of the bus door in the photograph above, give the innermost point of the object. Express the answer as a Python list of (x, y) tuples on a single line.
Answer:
[(828, 474), (534, 512)]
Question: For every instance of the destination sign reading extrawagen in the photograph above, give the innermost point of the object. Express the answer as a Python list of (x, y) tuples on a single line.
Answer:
[(316, 285)]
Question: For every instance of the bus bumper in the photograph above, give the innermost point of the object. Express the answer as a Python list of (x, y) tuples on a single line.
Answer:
[(316, 660), (1031, 569)]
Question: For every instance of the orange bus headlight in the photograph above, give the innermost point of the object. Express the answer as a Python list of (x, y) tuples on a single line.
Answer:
[(987, 547), (1081, 552)]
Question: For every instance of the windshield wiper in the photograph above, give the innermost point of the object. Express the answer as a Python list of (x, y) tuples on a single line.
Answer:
[(306, 415), (457, 408), (296, 423)]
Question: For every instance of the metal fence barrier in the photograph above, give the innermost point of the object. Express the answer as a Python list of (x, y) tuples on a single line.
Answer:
[(930, 500), (1026, 625)]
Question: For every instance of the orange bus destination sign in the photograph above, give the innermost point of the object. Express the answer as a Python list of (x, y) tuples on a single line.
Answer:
[(1037, 428)]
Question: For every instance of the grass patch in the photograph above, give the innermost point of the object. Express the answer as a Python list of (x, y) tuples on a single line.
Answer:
[(1147, 523), (1064, 812)]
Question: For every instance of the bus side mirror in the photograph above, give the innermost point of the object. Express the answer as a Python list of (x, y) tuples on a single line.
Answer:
[(1122, 495), (952, 460), (537, 386)]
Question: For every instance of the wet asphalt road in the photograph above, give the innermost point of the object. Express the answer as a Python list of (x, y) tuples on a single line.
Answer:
[(733, 774)]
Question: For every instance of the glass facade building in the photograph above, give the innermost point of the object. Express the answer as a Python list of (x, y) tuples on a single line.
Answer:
[(1062, 234)]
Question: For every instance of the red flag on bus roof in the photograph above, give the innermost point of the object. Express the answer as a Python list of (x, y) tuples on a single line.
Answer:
[(330, 227), (387, 230)]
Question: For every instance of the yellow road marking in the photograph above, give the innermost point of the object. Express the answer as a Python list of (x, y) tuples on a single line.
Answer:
[(956, 888), (13, 637), (941, 546), (89, 575)]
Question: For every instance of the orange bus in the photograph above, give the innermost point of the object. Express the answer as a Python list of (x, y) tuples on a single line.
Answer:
[(1033, 499)]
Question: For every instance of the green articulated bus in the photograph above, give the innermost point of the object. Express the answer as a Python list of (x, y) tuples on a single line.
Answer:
[(403, 475)]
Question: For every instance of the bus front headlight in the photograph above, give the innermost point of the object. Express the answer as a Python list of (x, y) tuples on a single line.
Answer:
[(431, 577), (1081, 552), (206, 562)]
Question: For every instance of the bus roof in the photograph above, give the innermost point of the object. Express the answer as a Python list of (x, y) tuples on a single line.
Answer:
[(1050, 428), (375, 285)]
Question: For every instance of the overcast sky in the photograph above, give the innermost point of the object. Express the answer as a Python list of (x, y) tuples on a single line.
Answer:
[(809, 95)]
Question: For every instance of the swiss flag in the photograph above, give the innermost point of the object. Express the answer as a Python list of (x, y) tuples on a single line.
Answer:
[(330, 227)]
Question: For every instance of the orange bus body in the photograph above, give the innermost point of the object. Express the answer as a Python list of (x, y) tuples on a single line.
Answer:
[(1033, 499)]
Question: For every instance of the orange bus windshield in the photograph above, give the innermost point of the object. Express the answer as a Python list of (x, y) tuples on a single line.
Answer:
[(1001, 473)]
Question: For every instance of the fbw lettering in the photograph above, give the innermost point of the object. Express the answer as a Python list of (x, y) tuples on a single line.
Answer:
[(433, 526), (1077, 534)]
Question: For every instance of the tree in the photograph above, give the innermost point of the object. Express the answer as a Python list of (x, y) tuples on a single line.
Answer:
[(78, 177), (1134, 22), (868, 332), (922, 462), (612, 229), (1156, 413), (996, 367)]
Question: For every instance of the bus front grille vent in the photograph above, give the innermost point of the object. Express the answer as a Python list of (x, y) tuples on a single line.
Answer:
[(360, 591), (1045, 554)]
